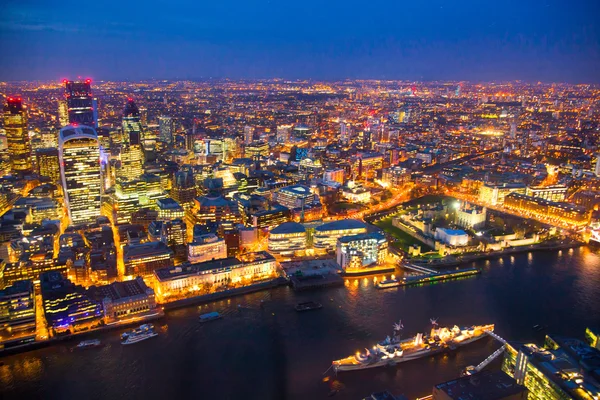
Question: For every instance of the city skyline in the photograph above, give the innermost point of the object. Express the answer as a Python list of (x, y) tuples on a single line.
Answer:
[(464, 40), (421, 177)]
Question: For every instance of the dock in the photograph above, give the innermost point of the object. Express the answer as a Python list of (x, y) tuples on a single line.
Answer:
[(316, 281), (435, 277)]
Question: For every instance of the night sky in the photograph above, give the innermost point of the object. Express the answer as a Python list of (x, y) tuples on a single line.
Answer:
[(532, 40)]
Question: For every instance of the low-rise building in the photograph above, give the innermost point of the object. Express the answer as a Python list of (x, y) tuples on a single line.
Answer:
[(287, 239), (142, 259), (563, 213), (206, 248), (452, 237), (195, 279), (552, 192), (17, 312), (355, 193), (485, 385), (495, 194), (470, 216), (326, 236), (67, 306), (359, 251), (124, 300)]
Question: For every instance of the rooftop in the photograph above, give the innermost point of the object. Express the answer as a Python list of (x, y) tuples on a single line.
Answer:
[(145, 250), (341, 225), (481, 386), (288, 227)]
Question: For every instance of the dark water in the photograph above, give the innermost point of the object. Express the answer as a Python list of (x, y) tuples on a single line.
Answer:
[(277, 353)]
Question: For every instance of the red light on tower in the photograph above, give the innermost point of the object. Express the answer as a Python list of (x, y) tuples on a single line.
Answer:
[(65, 81), (129, 99), (88, 80), (10, 99), (74, 124)]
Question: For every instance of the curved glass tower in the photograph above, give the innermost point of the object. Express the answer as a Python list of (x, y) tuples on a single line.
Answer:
[(79, 155)]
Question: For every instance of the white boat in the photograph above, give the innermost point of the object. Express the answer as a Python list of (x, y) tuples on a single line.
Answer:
[(211, 316), (86, 344), (144, 332), (393, 350), (388, 283)]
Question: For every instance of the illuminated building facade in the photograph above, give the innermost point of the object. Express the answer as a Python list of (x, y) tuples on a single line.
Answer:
[(256, 149), (552, 193), (189, 279), (142, 259), (295, 196), (355, 193), (215, 208), (184, 188), (565, 213), (287, 239), (525, 366), (495, 194), (80, 103), (206, 248), (395, 176), (67, 306), (17, 312), (48, 163), (365, 165), (132, 158), (469, 216), (79, 156), (283, 133), (17, 136), (266, 219), (169, 209), (125, 300), (165, 129), (361, 250), (326, 236), (131, 124), (334, 175)]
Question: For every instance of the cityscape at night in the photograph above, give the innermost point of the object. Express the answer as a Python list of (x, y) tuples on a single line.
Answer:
[(346, 232)]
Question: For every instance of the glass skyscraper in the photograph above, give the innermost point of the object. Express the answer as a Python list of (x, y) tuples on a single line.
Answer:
[(80, 103), (165, 127), (17, 137), (79, 154)]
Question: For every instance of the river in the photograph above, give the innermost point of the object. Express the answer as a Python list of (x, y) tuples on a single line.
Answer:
[(277, 353)]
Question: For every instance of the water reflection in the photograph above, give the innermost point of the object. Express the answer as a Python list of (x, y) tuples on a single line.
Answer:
[(276, 352)]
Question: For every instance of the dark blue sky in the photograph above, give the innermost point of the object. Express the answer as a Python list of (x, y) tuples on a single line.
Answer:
[(547, 40)]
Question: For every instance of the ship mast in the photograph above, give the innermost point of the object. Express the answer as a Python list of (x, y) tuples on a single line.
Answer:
[(398, 330)]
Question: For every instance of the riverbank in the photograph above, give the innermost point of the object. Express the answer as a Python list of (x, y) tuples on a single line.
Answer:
[(438, 263), (158, 314), (207, 298)]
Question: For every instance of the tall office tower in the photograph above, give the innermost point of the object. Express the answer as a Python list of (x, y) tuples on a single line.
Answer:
[(48, 163), (79, 155), (165, 128), (63, 113), (248, 134), (283, 133), (131, 163), (80, 103), (344, 132), (513, 130), (17, 137), (144, 116), (131, 148), (458, 89), (597, 169), (132, 126)]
